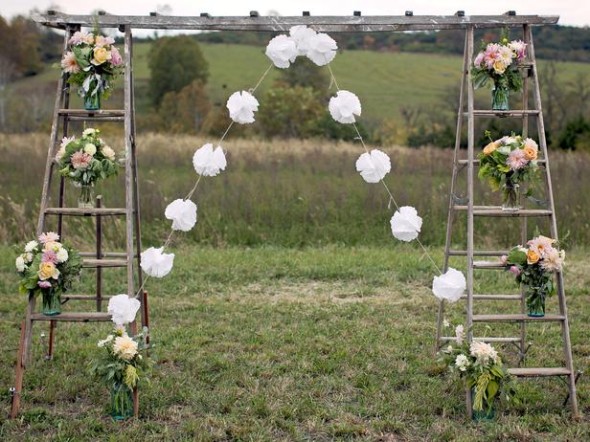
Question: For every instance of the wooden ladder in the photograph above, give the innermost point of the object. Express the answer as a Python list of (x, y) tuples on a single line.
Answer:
[(466, 205), (63, 115)]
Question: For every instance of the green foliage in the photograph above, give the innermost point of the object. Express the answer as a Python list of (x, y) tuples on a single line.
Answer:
[(175, 62), (184, 111), (305, 73), (575, 135)]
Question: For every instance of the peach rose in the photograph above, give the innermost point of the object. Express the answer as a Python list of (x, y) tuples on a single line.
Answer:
[(490, 148), (101, 55), (532, 257), (48, 270)]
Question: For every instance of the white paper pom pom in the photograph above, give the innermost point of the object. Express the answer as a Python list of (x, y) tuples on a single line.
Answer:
[(373, 166), (209, 162), (302, 35), (449, 286), (282, 51), (406, 224), (123, 309), (344, 106), (241, 106), (322, 49), (155, 263), (182, 213)]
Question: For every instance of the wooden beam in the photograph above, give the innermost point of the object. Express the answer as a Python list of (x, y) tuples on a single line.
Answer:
[(351, 23)]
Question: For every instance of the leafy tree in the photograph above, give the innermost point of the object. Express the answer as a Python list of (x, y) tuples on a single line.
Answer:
[(185, 111), (175, 62), (303, 72)]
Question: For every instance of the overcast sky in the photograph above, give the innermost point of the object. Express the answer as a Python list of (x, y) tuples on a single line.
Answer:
[(571, 12)]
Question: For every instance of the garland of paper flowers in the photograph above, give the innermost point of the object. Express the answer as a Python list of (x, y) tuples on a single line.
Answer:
[(373, 165)]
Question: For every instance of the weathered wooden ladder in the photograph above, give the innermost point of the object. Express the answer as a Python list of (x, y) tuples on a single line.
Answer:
[(55, 207), (465, 203)]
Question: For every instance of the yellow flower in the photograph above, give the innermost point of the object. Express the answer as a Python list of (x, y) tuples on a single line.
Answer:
[(131, 376), (490, 148), (52, 245), (532, 257), (499, 67), (47, 270), (101, 55)]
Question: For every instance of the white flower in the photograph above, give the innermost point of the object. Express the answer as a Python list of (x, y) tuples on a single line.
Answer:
[(406, 224), (62, 255), (484, 352), (344, 106), (241, 106), (123, 309), (155, 263), (66, 140), (302, 35), (373, 166), (446, 323), (209, 162), (462, 362), (28, 257), (20, 264), (88, 132), (182, 213), (31, 245), (108, 153), (125, 347), (449, 286), (322, 49), (282, 50), (459, 334), (60, 153), (90, 149), (104, 342)]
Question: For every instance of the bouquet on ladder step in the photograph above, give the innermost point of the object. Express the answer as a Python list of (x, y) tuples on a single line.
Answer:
[(48, 267), (533, 266), (86, 160), (92, 64)]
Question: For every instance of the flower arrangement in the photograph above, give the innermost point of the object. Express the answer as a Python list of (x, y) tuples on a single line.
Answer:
[(533, 266), (506, 163), (496, 61), (93, 63), (48, 267), (85, 161), (481, 366)]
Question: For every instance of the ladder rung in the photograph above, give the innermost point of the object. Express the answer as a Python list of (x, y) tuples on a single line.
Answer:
[(488, 265), (83, 297), (534, 372), (105, 255), (93, 262), (478, 252), (540, 161), (484, 339), (511, 113), (75, 211), (516, 318), (73, 317), (497, 211), (492, 297), (84, 115)]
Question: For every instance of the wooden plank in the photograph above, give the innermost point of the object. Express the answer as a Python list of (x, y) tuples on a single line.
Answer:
[(75, 211), (492, 265), (540, 161), (497, 211), (484, 339), (540, 371), (82, 297), (282, 24), (493, 297), (94, 114), (516, 318), (95, 263), (516, 113), (73, 317), (454, 252)]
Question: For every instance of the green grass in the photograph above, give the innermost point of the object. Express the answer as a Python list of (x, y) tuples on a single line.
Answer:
[(272, 344)]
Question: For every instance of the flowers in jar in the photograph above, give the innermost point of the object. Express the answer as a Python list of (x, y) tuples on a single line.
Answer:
[(498, 62)]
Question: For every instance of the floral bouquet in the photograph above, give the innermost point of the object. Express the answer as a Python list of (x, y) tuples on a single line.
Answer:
[(85, 161), (496, 61), (482, 368), (120, 365), (506, 163), (533, 266), (93, 63), (48, 267)]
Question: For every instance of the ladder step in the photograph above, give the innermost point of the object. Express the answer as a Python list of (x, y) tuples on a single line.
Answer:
[(93, 263), (488, 265), (75, 211), (105, 255), (539, 161), (516, 318), (535, 372), (484, 339), (497, 211), (493, 297), (511, 113), (84, 115), (83, 297), (478, 252), (74, 317)]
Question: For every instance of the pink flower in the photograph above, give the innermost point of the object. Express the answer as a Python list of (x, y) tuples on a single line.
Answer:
[(553, 261), (504, 259), (81, 160), (48, 237), (81, 37), (44, 284), (116, 58), (49, 256), (517, 159), (101, 41), (514, 270), (478, 60), (69, 63), (541, 245), (519, 48)]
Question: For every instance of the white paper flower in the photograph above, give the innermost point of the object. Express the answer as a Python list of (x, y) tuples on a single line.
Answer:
[(449, 286), (155, 263), (406, 224), (241, 106), (302, 35), (322, 49), (183, 214), (209, 162), (123, 309), (373, 166), (344, 106), (282, 51)]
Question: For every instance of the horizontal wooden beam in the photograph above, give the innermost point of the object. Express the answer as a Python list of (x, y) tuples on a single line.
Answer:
[(353, 23)]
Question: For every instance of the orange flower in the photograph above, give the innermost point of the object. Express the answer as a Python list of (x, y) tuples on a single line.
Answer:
[(490, 147), (530, 153), (532, 257)]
